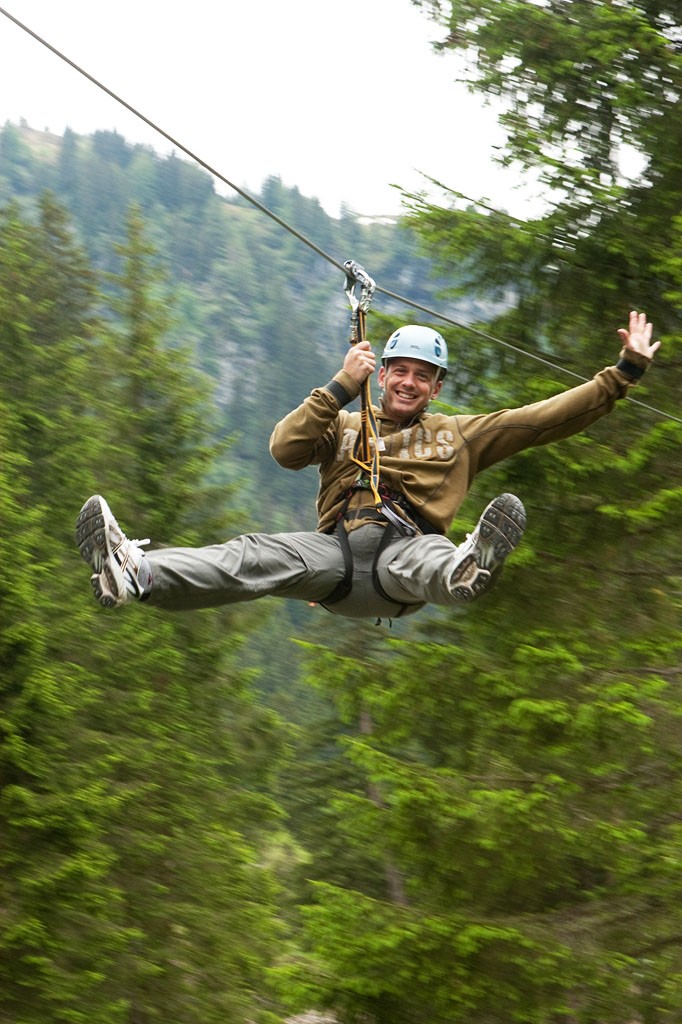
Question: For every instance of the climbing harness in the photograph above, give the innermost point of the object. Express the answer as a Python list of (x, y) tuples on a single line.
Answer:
[(359, 288)]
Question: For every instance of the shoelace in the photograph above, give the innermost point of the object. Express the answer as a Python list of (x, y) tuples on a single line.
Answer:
[(123, 562), (130, 571)]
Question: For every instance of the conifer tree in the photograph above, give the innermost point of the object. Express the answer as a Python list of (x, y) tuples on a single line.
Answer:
[(527, 748), (60, 931), (131, 759), (179, 714)]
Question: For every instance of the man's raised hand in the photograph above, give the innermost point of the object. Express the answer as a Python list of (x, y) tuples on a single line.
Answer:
[(637, 336)]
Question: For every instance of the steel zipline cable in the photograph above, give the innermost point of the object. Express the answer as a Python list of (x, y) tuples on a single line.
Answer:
[(297, 234)]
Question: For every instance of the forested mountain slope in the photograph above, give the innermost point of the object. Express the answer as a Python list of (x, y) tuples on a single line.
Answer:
[(261, 313)]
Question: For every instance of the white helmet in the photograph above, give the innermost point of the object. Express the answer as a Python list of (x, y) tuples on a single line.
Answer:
[(414, 342)]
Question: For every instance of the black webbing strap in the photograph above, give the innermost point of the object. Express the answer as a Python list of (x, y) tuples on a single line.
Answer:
[(345, 584), (383, 544), (421, 525)]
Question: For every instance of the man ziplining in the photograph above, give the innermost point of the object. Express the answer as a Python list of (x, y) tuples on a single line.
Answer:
[(381, 548)]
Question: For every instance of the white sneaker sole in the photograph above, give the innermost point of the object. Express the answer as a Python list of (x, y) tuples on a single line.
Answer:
[(92, 536), (497, 533)]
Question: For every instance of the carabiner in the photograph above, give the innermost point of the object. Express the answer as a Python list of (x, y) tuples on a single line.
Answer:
[(356, 275)]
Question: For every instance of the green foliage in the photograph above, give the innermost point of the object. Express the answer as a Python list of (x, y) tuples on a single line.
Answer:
[(493, 971), (520, 785), (578, 80), (473, 815), (55, 861), (133, 765), (521, 762)]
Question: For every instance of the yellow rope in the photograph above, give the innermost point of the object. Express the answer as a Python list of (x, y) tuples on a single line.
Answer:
[(366, 449)]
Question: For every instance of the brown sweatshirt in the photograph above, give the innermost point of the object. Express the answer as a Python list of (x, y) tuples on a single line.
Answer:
[(433, 461)]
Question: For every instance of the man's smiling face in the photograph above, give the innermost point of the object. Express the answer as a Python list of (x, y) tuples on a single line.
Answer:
[(408, 385)]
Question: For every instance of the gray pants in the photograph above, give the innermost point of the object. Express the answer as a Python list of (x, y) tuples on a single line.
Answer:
[(412, 571)]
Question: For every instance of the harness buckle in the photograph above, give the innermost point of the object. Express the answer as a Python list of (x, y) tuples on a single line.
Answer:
[(404, 528)]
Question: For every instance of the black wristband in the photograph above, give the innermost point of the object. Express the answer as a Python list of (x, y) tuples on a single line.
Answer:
[(339, 392), (630, 369)]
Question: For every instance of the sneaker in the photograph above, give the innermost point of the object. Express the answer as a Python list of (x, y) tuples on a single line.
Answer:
[(120, 568), (481, 556)]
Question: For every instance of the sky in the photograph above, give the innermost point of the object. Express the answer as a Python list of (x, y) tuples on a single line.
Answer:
[(343, 101)]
